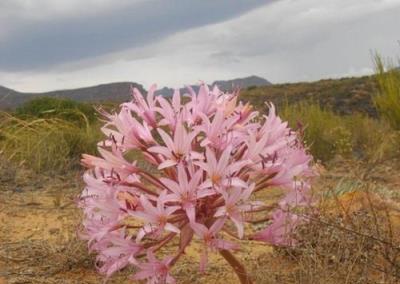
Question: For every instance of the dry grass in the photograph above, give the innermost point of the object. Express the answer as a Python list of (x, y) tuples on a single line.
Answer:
[(352, 247), (352, 237), (45, 144)]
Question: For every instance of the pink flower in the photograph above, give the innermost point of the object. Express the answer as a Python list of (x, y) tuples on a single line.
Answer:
[(154, 271), (220, 172), (170, 171), (204, 102), (156, 217), (116, 252), (297, 195), (97, 229), (144, 108), (175, 150), (129, 133), (279, 232), (111, 161), (210, 240), (295, 165), (171, 112), (185, 191), (217, 132), (235, 206)]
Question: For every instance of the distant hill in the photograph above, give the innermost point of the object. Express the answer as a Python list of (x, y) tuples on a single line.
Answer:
[(226, 86), (112, 92), (10, 98), (343, 96)]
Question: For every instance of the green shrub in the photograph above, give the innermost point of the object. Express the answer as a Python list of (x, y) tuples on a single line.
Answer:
[(387, 101), (352, 136), (48, 107), (372, 139), (321, 127)]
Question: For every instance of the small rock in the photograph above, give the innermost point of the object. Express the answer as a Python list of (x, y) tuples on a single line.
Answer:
[(18, 189), (54, 231)]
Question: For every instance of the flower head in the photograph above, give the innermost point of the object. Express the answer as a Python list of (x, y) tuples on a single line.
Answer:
[(201, 164)]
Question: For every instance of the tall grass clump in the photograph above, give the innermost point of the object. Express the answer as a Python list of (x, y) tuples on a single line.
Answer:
[(323, 131), (371, 139), (387, 101), (45, 144)]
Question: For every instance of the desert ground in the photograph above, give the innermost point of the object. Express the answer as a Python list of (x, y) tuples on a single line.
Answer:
[(351, 234), (39, 223)]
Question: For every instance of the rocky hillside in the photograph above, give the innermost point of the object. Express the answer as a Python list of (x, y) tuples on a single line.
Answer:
[(344, 96)]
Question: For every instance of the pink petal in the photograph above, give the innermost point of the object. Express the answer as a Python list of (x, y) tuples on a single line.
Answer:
[(199, 229), (167, 164), (217, 225), (171, 228), (167, 139), (160, 150)]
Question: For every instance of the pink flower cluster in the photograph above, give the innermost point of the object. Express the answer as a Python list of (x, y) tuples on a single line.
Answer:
[(203, 161)]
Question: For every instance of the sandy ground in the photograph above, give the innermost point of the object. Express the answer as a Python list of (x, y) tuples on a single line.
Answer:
[(38, 242)]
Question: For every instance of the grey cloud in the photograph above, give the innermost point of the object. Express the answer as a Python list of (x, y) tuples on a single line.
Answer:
[(34, 44), (223, 57), (308, 48)]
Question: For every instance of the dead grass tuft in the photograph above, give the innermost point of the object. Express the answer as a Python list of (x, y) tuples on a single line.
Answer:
[(352, 237)]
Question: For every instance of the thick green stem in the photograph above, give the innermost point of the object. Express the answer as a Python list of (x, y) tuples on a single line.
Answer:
[(237, 267)]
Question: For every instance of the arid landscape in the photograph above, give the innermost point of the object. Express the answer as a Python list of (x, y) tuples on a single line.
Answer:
[(355, 240), (353, 231)]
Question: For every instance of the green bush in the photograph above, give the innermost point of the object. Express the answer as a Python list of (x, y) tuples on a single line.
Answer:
[(372, 139), (320, 126), (387, 101), (48, 107), (327, 134)]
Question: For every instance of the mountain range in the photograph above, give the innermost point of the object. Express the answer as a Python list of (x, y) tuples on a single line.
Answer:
[(113, 92)]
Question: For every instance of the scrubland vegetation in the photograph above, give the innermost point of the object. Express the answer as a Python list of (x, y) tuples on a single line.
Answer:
[(387, 101), (353, 233), (48, 134), (51, 133), (328, 134)]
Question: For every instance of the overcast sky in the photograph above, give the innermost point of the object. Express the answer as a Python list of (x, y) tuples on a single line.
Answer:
[(56, 44)]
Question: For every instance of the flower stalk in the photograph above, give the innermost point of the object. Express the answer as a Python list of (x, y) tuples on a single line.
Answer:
[(239, 269)]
